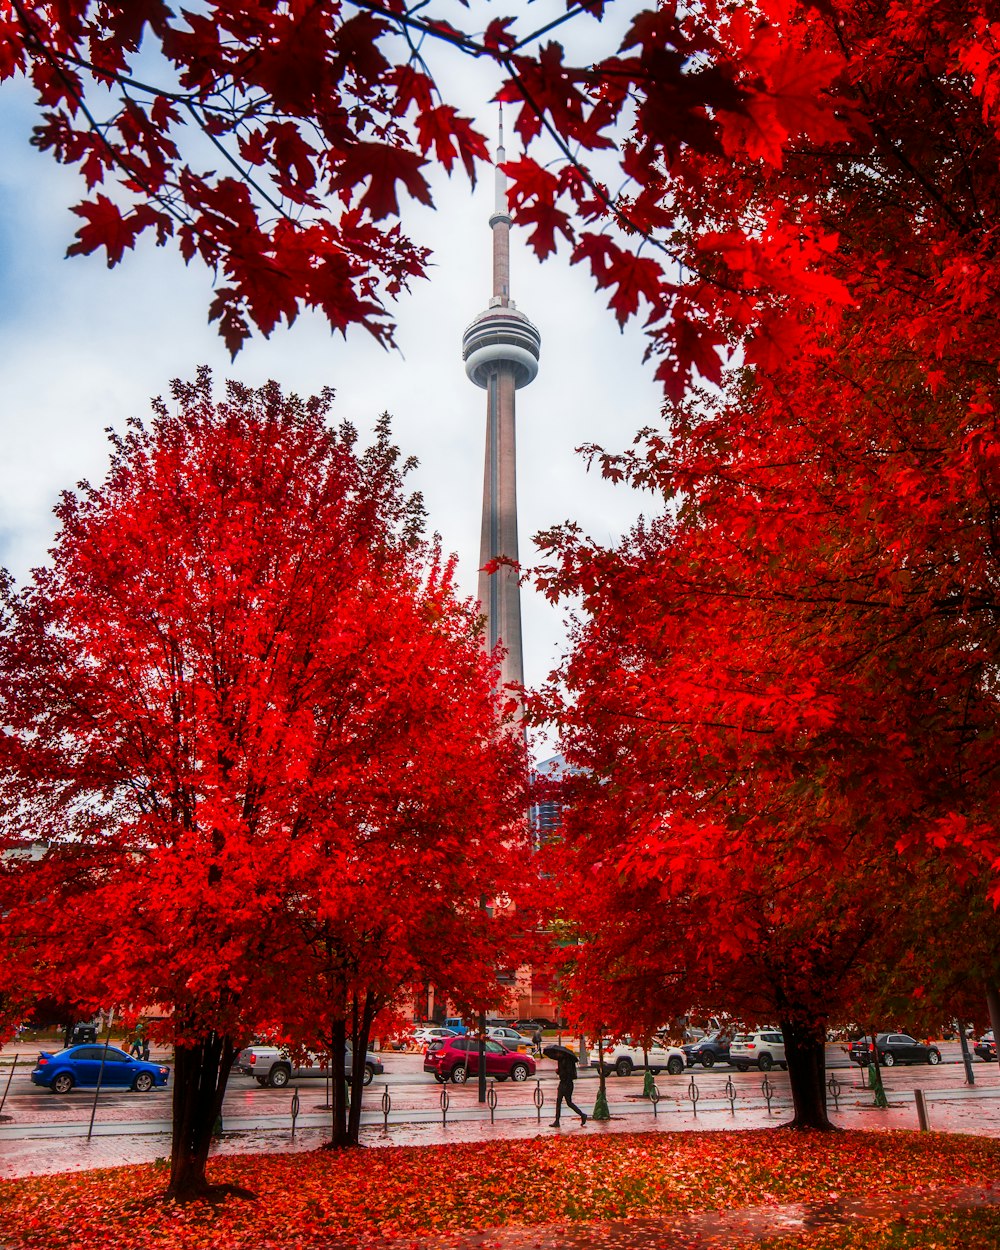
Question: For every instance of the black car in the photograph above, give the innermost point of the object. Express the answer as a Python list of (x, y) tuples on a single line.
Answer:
[(986, 1047), (710, 1050), (893, 1048)]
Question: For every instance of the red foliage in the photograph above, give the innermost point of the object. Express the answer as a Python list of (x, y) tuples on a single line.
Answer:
[(788, 677), (243, 704), (538, 1189)]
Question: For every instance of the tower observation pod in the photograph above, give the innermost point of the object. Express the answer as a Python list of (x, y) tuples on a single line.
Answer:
[(500, 349)]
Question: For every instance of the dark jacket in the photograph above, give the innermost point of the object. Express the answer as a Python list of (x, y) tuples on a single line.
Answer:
[(566, 1065)]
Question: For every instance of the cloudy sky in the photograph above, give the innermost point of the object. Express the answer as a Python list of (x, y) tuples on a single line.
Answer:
[(84, 347)]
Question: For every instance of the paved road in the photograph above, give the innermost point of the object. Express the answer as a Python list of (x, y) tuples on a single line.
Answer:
[(414, 1093)]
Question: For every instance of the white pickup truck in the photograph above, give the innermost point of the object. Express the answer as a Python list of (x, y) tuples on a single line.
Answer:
[(271, 1066)]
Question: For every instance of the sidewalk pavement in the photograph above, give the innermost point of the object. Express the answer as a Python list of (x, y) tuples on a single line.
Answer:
[(39, 1149)]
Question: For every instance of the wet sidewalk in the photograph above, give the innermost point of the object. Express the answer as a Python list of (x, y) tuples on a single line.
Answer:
[(47, 1148)]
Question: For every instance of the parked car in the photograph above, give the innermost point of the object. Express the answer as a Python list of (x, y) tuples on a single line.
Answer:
[(764, 1049), (269, 1065), (81, 1065), (709, 1051), (986, 1047), (540, 1022), (458, 1059), (508, 1037), (457, 1025), (623, 1058), (433, 1036), (893, 1048)]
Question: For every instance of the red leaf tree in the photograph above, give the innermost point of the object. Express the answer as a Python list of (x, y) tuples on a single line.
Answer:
[(795, 720), (240, 700)]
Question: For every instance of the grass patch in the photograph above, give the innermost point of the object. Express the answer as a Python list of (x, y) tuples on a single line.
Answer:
[(976, 1229)]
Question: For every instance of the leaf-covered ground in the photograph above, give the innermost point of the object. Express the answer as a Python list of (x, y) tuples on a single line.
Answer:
[(944, 1230), (411, 1193)]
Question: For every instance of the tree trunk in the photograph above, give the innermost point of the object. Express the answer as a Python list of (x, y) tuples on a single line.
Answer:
[(360, 1035), (338, 1086), (805, 1053), (200, 1074)]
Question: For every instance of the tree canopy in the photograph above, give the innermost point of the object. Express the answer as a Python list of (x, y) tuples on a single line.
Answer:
[(242, 705)]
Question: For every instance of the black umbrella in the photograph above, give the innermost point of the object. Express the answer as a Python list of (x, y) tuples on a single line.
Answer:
[(560, 1052)]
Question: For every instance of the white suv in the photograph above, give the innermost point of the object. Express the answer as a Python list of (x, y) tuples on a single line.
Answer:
[(764, 1049), (623, 1058)]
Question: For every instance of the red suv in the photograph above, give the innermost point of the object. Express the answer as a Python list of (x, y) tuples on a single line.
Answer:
[(458, 1059)]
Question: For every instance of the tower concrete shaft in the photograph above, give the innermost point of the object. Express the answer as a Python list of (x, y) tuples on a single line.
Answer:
[(501, 349)]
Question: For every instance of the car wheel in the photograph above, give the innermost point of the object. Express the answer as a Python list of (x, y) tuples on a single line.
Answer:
[(519, 1072), (742, 1067), (675, 1066), (369, 1074), (143, 1083), (887, 1059), (624, 1067), (708, 1060), (934, 1057), (460, 1074), (63, 1083), (278, 1077), (765, 1063)]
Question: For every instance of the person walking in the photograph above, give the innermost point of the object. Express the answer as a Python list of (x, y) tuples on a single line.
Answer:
[(137, 1041), (566, 1063), (536, 1040)]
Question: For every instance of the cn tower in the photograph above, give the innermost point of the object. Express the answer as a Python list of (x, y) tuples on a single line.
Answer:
[(500, 349)]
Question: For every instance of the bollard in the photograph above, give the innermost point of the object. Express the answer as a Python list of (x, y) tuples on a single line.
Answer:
[(539, 1099), (833, 1085), (864, 1083), (491, 1099), (767, 1089), (295, 1109), (923, 1121), (730, 1093), (654, 1097), (694, 1095), (386, 1107), (444, 1105)]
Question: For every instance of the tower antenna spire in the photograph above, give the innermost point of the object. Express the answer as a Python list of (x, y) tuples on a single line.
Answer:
[(501, 350)]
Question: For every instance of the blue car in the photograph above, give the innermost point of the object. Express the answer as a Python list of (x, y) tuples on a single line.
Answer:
[(81, 1065)]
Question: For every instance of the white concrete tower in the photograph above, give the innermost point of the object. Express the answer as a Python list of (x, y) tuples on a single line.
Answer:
[(500, 349)]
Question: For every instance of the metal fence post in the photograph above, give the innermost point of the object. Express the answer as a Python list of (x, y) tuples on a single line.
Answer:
[(491, 1099), (923, 1119), (694, 1095), (6, 1088), (295, 1109), (444, 1105), (539, 1098), (730, 1093), (767, 1089), (386, 1106)]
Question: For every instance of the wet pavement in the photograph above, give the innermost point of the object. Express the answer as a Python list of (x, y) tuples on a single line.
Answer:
[(27, 1149)]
